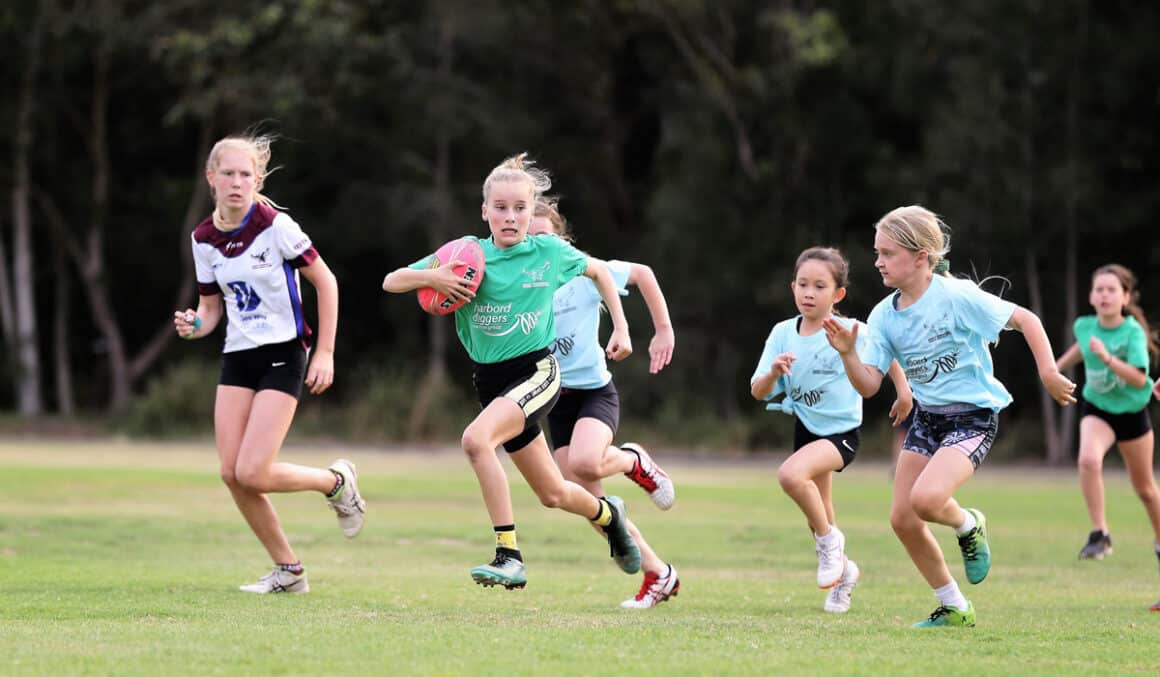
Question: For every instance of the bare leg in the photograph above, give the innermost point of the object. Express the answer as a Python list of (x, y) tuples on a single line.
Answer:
[(911, 530), (798, 477), (1138, 458), (1095, 439)]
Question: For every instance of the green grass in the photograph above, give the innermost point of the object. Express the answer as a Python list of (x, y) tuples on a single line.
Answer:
[(125, 559)]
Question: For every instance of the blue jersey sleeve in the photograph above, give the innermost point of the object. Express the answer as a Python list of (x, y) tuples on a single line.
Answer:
[(979, 311)]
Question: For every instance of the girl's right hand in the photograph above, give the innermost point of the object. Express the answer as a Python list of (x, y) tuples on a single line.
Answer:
[(781, 365), (446, 282), (186, 322), (841, 338), (1059, 387)]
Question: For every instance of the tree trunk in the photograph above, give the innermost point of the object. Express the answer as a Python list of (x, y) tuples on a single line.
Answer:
[(62, 361), (24, 333), (199, 197), (1056, 453), (1071, 209), (434, 379)]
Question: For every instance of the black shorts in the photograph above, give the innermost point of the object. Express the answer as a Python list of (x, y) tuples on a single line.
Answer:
[(846, 443), (278, 366), (531, 381), (602, 404), (965, 427), (1127, 427)]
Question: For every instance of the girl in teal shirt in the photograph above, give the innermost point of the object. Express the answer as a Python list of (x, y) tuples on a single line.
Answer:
[(506, 328), (1115, 346)]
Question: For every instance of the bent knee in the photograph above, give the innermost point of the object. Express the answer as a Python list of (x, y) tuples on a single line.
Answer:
[(475, 443), (926, 505), (250, 478), (588, 470), (789, 478), (552, 497)]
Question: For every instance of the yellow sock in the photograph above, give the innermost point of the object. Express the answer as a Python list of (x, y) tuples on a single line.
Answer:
[(505, 537), (604, 516)]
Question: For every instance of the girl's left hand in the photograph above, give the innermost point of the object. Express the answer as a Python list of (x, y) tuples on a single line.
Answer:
[(619, 345), (660, 350), (1156, 390), (320, 375)]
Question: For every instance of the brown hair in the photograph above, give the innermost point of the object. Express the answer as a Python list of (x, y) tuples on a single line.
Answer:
[(839, 266), (1128, 282), (548, 206)]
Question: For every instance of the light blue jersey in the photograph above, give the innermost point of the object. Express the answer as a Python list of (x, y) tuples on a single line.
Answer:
[(817, 390), (942, 343), (577, 345)]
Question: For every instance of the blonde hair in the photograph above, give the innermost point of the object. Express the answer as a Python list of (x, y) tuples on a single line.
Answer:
[(548, 206), (519, 168), (258, 146), (916, 228), (1127, 281)]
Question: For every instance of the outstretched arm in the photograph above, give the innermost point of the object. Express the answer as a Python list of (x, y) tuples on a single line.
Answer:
[(619, 344), (865, 379), (660, 348), (1058, 386), (1070, 357)]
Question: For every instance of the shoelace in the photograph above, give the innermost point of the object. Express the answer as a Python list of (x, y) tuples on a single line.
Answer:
[(651, 585), (941, 611), (828, 553), (969, 544), (500, 560)]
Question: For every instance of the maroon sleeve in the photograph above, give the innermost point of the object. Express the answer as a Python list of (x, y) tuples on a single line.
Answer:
[(305, 258), (208, 289)]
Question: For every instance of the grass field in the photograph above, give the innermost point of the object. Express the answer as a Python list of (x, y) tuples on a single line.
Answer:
[(125, 559)]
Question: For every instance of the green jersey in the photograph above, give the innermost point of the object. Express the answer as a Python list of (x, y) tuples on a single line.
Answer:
[(1102, 387), (511, 314)]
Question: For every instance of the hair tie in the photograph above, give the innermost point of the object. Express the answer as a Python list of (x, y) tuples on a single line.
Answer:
[(943, 266)]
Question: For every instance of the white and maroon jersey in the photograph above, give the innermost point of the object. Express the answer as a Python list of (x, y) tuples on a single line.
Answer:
[(255, 269)]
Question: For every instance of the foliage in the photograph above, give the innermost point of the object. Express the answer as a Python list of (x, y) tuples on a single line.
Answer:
[(712, 140)]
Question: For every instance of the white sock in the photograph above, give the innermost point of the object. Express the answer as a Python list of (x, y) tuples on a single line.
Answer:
[(829, 537), (967, 525), (950, 595)]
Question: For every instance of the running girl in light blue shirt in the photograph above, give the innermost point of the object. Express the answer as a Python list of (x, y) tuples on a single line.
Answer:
[(938, 328), (799, 363), (584, 420)]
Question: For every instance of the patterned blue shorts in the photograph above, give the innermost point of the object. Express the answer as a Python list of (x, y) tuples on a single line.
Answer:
[(965, 427)]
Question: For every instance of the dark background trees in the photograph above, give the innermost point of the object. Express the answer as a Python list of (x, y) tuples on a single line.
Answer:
[(712, 140)]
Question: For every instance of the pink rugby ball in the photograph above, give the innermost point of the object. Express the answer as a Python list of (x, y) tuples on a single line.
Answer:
[(470, 253)]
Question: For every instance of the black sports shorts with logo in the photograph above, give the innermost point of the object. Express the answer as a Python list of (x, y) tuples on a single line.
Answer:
[(531, 380), (846, 443), (277, 366)]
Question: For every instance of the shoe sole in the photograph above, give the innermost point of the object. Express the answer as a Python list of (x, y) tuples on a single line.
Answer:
[(488, 582), (358, 497), (672, 593), (845, 563)]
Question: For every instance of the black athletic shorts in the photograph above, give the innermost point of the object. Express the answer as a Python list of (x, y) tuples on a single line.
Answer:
[(278, 366), (846, 443), (1127, 427), (531, 381), (965, 427), (602, 404)]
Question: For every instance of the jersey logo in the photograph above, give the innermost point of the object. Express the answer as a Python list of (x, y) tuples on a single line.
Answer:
[(922, 370), (261, 258), (536, 275), (808, 398), (248, 299), (563, 346)]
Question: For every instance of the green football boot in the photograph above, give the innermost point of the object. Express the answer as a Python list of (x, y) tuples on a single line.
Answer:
[(504, 570), (976, 551), (623, 549), (948, 616)]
